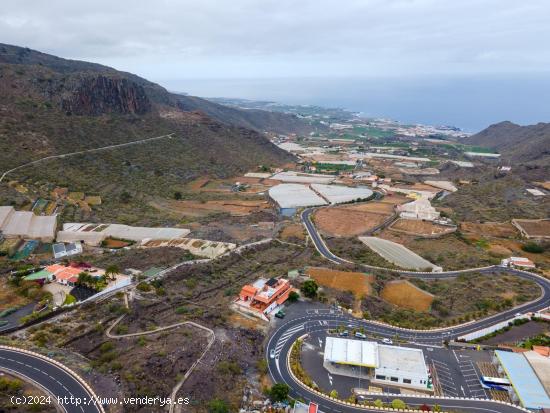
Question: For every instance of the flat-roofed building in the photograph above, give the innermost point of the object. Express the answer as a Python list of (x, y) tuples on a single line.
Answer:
[(388, 365), (264, 296), (526, 386)]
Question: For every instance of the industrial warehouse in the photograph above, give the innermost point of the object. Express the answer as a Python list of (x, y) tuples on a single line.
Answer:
[(384, 364)]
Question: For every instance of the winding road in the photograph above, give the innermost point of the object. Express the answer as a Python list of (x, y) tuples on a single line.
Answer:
[(316, 320), (54, 378)]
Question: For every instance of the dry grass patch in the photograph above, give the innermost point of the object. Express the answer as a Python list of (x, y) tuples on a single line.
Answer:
[(490, 229), (418, 227), (293, 231), (357, 282), (406, 295)]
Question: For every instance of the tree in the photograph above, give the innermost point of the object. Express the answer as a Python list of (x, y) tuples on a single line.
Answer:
[(398, 404), (218, 406), (293, 296), (111, 271), (533, 247), (279, 392), (177, 195), (125, 197), (309, 288)]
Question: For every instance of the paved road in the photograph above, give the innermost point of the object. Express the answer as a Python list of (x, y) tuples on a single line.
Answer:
[(58, 381), (541, 303), (66, 155), (325, 319)]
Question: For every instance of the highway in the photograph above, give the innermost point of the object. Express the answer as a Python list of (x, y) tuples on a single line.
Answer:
[(59, 382), (324, 319)]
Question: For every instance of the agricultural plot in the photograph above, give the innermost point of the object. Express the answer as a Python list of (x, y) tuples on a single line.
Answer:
[(533, 228), (490, 229), (398, 254), (420, 228), (356, 282), (406, 295), (356, 219), (234, 207)]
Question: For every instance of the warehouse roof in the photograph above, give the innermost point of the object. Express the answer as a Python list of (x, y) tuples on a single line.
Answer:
[(402, 359), (528, 387), (354, 352)]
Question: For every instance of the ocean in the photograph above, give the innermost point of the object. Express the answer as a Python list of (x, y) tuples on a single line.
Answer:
[(469, 102)]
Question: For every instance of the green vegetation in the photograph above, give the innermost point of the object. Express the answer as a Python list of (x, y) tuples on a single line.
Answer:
[(293, 296), (539, 340), (309, 288), (69, 299), (533, 247), (279, 392), (218, 406)]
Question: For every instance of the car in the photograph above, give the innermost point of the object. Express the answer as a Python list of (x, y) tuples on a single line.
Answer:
[(360, 335), (344, 333), (518, 315), (272, 353), (280, 314), (387, 341)]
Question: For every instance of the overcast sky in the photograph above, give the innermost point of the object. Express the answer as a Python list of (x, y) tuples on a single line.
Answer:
[(165, 40)]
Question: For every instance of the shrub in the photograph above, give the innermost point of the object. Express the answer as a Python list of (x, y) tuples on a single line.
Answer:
[(279, 392), (533, 247), (218, 406), (398, 404), (309, 288), (293, 296)]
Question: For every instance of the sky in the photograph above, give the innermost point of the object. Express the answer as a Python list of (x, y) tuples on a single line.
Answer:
[(176, 42)]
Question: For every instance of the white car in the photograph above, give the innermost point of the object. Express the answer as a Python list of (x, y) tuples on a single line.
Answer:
[(387, 341), (272, 353)]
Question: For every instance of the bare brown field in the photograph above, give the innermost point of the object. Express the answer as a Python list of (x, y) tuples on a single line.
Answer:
[(406, 295), (115, 243), (293, 231), (235, 207), (545, 185), (418, 227), (345, 222), (355, 219), (357, 282), (490, 229), (198, 184), (535, 228)]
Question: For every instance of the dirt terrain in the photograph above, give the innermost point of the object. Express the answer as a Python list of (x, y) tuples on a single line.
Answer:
[(293, 232), (421, 228), (356, 282), (355, 219), (404, 294), (490, 229), (235, 207), (540, 228)]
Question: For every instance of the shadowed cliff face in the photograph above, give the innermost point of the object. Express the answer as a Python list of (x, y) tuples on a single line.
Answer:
[(101, 94)]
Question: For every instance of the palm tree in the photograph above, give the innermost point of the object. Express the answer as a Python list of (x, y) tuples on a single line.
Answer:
[(111, 271)]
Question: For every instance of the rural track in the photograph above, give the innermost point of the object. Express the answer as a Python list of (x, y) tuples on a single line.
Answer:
[(177, 387), (66, 155)]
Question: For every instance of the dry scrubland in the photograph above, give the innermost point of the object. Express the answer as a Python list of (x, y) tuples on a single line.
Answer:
[(293, 232), (490, 229), (152, 364)]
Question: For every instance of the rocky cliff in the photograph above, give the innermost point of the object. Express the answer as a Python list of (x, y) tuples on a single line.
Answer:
[(97, 95)]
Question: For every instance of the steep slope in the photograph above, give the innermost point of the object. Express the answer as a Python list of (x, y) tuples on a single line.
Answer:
[(52, 106), (518, 144), (252, 118), (95, 76)]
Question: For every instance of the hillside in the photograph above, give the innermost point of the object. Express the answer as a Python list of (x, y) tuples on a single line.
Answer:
[(517, 144), (50, 105)]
